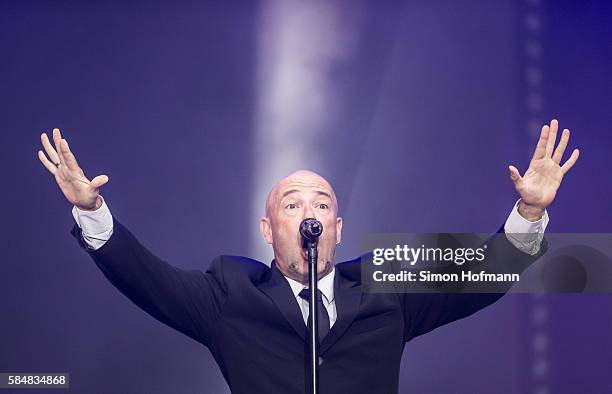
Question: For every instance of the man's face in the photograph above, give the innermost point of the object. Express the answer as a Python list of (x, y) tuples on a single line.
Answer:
[(301, 195)]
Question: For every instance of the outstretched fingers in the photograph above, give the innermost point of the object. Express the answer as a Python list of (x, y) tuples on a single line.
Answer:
[(561, 147), (48, 165), (540, 149), (515, 175), (57, 138), (552, 137), (570, 162), (99, 181), (51, 153), (68, 156), (61, 153)]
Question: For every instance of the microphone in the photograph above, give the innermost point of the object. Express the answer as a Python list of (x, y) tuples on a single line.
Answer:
[(310, 229)]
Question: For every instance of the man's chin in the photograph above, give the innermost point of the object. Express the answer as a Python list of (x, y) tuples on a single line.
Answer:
[(304, 267)]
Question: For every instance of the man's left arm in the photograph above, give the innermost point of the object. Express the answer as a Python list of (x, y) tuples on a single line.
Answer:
[(524, 234), (522, 244)]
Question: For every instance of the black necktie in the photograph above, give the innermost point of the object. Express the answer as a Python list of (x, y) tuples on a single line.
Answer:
[(323, 321)]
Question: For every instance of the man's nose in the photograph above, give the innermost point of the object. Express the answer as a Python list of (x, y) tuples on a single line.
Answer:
[(309, 213)]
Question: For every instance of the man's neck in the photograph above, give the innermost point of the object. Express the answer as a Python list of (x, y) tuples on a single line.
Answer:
[(325, 285)]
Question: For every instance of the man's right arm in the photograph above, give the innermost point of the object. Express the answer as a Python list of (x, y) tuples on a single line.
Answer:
[(96, 225), (188, 301)]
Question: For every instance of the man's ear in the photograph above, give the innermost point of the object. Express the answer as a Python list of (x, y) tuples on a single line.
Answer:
[(266, 229), (338, 230)]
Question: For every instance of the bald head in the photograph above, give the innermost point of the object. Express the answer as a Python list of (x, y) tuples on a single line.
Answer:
[(300, 179), (300, 195)]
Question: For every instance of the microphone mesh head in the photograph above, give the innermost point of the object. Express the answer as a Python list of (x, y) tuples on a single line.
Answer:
[(311, 228)]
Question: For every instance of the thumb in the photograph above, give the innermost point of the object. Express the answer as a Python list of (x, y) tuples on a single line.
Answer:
[(99, 181), (515, 176)]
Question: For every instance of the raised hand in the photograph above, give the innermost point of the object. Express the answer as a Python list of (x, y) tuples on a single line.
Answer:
[(539, 185), (77, 189)]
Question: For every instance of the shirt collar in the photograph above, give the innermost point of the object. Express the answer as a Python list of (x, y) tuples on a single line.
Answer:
[(325, 284)]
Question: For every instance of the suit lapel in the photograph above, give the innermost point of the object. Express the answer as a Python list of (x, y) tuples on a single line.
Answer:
[(347, 295), (279, 291)]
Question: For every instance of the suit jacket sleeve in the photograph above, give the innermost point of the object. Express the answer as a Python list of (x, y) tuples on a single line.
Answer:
[(189, 301), (424, 312)]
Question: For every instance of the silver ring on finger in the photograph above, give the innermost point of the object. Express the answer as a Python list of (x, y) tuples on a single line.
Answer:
[(56, 164)]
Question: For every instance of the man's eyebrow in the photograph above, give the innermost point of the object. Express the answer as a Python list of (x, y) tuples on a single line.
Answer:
[(320, 192), (288, 192)]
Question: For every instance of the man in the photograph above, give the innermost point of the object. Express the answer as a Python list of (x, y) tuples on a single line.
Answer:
[(252, 317)]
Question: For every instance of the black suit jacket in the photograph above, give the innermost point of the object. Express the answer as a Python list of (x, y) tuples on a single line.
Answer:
[(246, 314)]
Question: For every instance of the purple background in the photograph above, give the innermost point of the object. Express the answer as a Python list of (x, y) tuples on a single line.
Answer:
[(419, 109)]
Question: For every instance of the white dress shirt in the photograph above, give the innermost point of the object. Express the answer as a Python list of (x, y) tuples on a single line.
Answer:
[(326, 285), (97, 228)]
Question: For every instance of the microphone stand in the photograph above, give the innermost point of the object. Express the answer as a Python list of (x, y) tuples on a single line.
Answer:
[(311, 229), (313, 316)]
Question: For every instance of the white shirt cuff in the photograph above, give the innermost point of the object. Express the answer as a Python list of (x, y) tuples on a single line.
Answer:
[(525, 235), (96, 226)]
